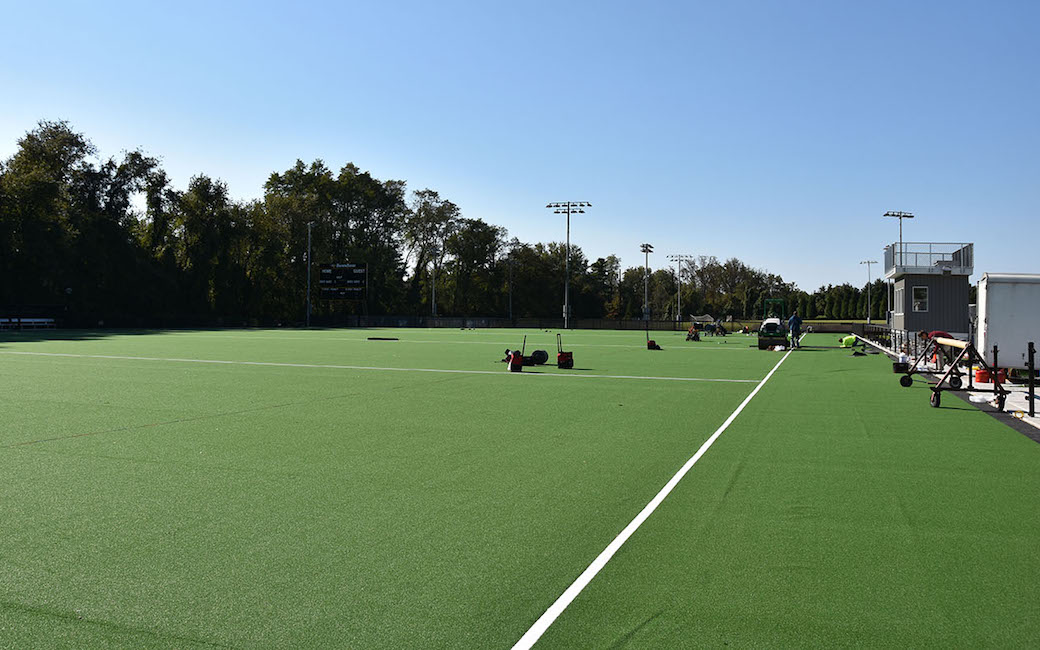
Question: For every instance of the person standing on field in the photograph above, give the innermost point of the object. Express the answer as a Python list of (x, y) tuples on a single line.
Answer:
[(794, 325)]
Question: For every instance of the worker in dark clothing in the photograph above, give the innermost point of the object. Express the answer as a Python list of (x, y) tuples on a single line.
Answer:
[(794, 325)]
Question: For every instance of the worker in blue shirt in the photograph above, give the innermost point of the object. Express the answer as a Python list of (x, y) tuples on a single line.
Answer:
[(794, 325)]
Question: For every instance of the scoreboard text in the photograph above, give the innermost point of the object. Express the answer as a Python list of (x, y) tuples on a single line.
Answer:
[(342, 281)]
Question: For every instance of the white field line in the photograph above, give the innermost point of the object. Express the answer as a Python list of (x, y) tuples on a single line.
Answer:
[(378, 368), (545, 620)]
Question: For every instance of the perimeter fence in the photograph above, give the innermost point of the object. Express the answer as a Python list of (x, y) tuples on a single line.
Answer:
[(456, 322), (894, 340)]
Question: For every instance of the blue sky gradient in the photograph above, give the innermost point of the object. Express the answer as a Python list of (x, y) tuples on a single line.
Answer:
[(776, 132)]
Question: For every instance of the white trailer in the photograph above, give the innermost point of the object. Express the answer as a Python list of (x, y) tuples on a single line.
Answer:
[(1009, 316)]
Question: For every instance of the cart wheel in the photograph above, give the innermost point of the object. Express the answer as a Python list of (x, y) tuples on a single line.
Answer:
[(1000, 402), (956, 383), (906, 381), (934, 400)]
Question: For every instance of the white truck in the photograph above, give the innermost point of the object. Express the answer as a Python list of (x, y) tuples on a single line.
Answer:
[(1008, 316)]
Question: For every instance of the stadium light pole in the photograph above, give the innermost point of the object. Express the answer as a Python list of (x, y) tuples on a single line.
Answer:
[(568, 207), (679, 259), (868, 263), (646, 248), (678, 293), (897, 214), (310, 224)]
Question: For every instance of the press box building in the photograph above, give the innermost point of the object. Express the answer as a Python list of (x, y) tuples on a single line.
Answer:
[(930, 286)]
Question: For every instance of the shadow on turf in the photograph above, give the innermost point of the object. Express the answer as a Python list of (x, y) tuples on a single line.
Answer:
[(965, 405), (44, 336)]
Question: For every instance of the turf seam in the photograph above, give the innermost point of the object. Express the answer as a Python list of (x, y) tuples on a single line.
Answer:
[(43, 611), (550, 615)]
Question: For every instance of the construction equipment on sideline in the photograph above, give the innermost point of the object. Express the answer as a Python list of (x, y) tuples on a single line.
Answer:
[(650, 343), (516, 361), (536, 358), (951, 379), (564, 360), (516, 358), (772, 331)]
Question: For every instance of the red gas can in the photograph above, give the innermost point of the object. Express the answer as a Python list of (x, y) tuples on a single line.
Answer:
[(983, 376)]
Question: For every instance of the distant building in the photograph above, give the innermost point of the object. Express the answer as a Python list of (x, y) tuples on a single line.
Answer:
[(930, 285)]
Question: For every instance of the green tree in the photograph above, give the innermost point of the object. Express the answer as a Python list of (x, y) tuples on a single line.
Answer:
[(470, 273), (663, 287), (603, 280)]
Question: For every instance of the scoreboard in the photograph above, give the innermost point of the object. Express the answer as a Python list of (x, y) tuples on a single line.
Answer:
[(345, 281)]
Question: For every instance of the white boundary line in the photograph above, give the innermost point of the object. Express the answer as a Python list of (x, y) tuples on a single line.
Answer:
[(545, 620), (345, 367)]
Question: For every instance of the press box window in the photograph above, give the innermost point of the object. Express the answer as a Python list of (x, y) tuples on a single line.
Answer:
[(920, 298)]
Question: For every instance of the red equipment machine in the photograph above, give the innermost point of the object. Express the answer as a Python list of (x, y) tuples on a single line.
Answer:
[(516, 361), (564, 360)]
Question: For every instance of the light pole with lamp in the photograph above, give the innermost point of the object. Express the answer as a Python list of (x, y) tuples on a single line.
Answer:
[(679, 259), (868, 263), (568, 207), (647, 249), (896, 261), (899, 215)]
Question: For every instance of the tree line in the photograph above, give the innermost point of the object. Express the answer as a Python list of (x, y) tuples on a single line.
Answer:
[(89, 239)]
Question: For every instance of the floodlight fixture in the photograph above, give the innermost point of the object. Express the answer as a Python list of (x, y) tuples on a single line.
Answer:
[(898, 214)]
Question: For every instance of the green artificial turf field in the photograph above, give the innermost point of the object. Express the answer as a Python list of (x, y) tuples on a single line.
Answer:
[(286, 488)]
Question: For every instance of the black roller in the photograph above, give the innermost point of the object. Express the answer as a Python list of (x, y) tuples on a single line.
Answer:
[(956, 383), (539, 357), (906, 381), (935, 400)]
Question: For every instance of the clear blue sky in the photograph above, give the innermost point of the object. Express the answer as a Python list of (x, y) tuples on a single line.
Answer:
[(777, 132)]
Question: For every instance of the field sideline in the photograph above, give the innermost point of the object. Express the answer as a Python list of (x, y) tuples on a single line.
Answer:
[(290, 488)]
